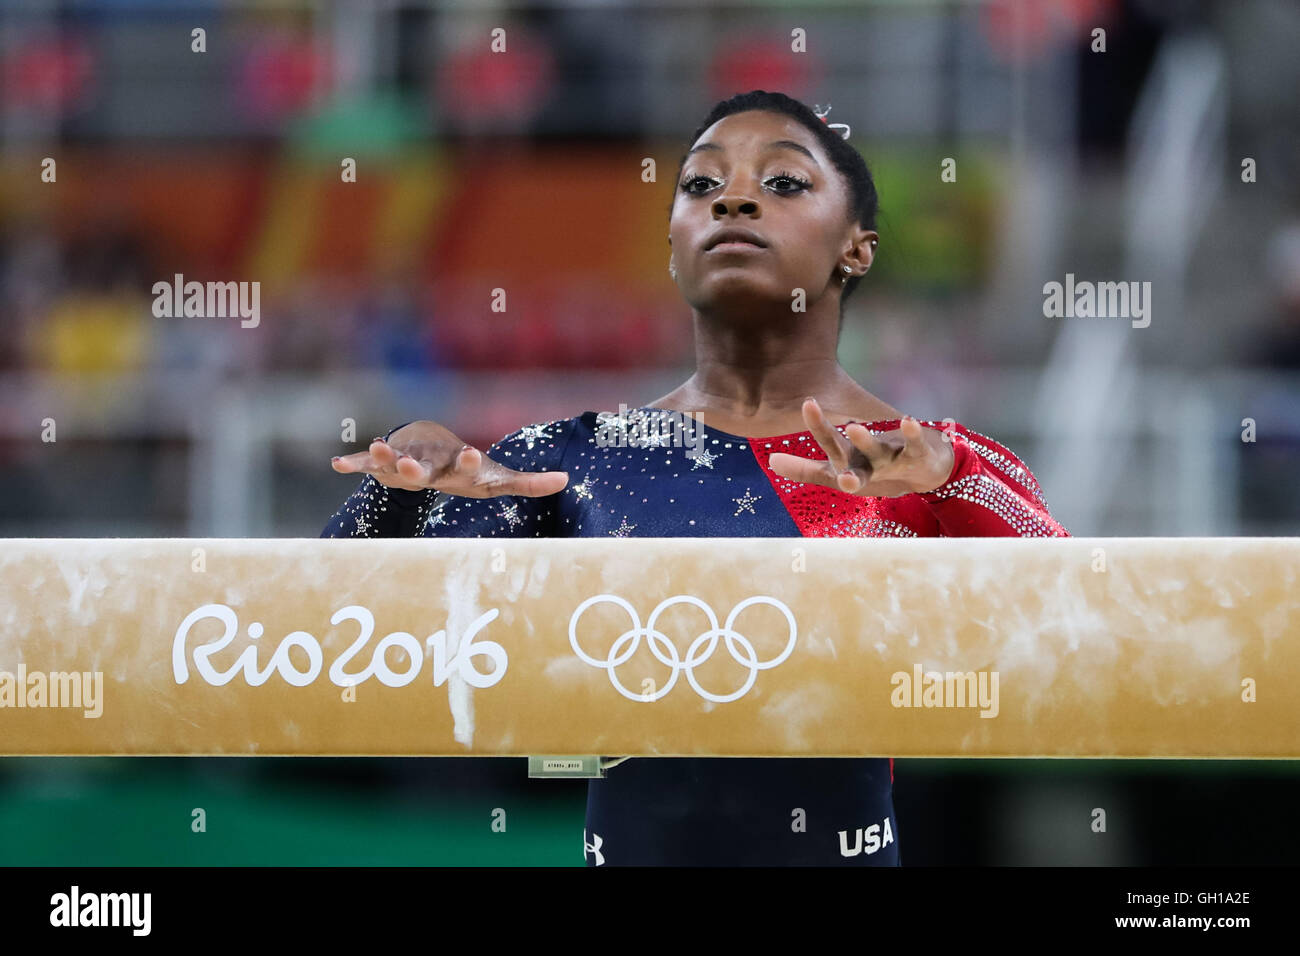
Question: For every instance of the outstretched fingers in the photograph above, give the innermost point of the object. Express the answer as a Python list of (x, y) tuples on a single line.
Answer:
[(387, 463), (374, 459), (876, 451), (841, 468), (537, 484), (914, 438), (464, 465), (831, 441), (475, 473), (808, 470), (907, 454)]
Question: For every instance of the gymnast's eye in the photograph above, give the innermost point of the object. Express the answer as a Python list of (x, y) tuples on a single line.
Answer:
[(689, 183), (799, 183)]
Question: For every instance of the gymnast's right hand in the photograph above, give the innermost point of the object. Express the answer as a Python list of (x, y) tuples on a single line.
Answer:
[(424, 455)]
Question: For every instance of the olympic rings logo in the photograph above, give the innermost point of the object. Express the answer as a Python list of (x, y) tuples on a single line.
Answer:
[(701, 649)]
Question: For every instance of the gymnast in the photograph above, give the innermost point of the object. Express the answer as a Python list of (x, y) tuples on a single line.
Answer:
[(771, 229)]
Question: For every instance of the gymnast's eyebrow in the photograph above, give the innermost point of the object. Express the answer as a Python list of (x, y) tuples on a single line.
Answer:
[(775, 144)]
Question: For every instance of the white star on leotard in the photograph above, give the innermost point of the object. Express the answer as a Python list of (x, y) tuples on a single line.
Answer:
[(362, 525), (702, 457), (511, 514), (746, 503), (622, 530), (532, 434), (583, 488)]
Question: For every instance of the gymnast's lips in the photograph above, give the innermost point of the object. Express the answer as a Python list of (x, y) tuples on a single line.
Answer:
[(734, 240)]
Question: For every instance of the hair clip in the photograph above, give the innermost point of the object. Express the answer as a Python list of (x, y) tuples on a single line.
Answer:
[(821, 115)]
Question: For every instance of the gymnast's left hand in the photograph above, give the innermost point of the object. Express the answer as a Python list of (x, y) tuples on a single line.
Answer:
[(907, 460)]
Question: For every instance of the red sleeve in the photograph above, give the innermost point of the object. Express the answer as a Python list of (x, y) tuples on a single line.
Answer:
[(990, 492)]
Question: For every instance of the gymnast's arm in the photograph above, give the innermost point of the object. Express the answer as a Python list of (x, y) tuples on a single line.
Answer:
[(989, 493), (421, 480), (971, 485)]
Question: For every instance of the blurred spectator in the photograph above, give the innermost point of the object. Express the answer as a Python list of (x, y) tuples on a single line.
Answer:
[(1278, 345), (31, 275), (100, 324), (393, 333)]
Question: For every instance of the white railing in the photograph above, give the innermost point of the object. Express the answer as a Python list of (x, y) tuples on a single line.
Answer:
[(1176, 448)]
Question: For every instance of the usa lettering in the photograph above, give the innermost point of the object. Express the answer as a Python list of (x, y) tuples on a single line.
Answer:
[(871, 840)]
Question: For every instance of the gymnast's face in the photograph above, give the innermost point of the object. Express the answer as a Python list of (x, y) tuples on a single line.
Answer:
[(764, 173)]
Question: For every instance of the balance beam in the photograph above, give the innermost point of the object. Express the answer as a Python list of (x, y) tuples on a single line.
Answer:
[(993, 647)]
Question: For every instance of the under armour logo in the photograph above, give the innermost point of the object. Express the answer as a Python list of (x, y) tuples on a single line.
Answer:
[(592, 847)]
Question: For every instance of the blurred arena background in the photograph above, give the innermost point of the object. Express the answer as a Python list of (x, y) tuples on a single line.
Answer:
[(478, 170)]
